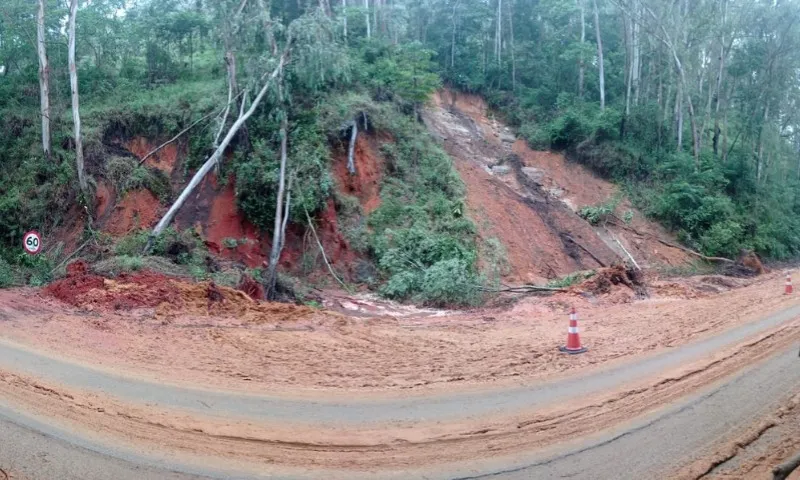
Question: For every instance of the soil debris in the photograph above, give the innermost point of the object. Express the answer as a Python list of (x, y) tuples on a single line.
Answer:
[(251, 287)]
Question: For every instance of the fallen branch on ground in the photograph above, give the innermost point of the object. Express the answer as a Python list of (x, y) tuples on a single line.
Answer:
[(670, 244), (322, 250), (782, 471), (522, 289), (633, 260), (594, 257)]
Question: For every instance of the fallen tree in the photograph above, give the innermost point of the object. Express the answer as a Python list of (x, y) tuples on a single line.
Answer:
[(217, 155), (782, 471)]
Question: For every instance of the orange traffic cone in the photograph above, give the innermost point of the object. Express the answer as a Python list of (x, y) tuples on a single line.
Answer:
[(573, 346), (788, 290)]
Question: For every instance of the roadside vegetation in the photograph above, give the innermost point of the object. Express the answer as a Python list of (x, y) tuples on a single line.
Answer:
[(702, 134)]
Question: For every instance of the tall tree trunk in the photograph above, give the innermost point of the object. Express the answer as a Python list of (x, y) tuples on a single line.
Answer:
[(498, 33), (601, 67), (637, 60), (44, 79), (344, 18), (720, 73), (679, 115), (76, 115), (513, 54), (453, 37), (695, 132), (760, 157), (375, 7), (581, 61), (725, 130), (275, 253), (628, 22), (267, 24), (351, 149), (366, 18)]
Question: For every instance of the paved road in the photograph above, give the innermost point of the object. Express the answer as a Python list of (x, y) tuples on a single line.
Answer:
[(441, 407), (34, 450), (661, 443)]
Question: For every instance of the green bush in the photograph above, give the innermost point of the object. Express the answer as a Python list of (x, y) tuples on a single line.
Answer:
[(450, 282), (598, 214), (130, 264), (6, 274)]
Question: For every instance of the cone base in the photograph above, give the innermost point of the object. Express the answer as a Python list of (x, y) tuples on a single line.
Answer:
[(573, 352)]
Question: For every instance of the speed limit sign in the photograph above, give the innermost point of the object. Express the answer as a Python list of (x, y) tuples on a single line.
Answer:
[(32, 242)]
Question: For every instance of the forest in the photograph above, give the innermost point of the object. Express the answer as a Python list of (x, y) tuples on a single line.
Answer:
[(691, 106)]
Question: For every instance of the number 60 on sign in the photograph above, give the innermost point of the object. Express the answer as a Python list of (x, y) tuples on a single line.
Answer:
[(32, 242)]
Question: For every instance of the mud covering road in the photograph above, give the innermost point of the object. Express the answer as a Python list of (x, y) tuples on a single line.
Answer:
[(464, 448), (653, 446), (659, 445)]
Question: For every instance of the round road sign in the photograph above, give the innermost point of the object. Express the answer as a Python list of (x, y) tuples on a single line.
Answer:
[(32, 242)]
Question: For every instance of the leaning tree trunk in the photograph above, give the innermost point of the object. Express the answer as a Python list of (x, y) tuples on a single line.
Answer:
[(601, 67), (215, 157), (76, 115), (44, 79)]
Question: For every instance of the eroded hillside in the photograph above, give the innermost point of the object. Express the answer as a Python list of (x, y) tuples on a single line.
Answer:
[(530, 200)]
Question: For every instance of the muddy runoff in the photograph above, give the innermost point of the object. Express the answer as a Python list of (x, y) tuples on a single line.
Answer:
[(373, 446)]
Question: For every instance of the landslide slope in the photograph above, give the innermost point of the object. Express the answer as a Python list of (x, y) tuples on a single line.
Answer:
[(530, 200)]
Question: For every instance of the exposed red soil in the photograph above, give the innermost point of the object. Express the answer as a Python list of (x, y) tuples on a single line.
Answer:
[(579, 185), (170, 297), (365, 184), (529, 200), (104, 199), (68, 234), (83, 289), (77, 283), (324, 350), (139, 209), (251, 287), (337, 249), (534, 253), (165, 159), (543, 239), (578, 188), (225, 224)]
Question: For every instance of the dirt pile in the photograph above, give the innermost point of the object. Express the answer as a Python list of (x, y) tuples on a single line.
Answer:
[(747, 265), (77, 284), (251, 287), (207, 298), (81, 288), (170, 297), (605, 280)]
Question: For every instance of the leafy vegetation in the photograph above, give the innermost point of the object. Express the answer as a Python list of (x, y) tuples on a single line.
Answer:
[(702, 135)]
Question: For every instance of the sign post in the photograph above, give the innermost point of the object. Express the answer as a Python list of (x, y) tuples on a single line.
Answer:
[(32, 242)]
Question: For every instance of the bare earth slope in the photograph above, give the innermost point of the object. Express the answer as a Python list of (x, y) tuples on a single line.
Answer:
[(529, 200)]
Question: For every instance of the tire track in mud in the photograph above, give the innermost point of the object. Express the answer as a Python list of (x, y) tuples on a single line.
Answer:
[(379, 446)]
